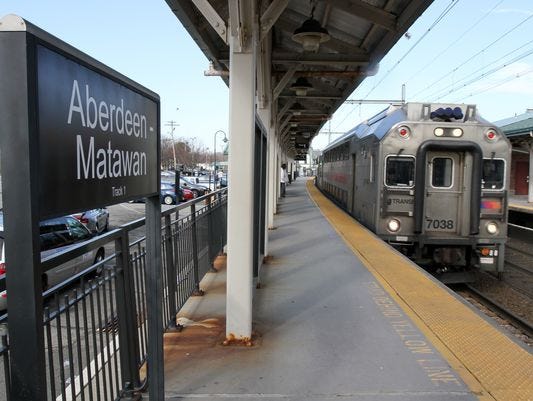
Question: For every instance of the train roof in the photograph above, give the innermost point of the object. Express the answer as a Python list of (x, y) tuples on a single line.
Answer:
[(380, 124)]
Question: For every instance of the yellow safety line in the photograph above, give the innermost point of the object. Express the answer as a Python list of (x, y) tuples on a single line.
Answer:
[(519, 207), (491, 364)]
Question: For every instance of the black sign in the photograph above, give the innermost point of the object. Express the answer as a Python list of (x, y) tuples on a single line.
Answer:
[(302, 145), (300, 157), (98, 138)]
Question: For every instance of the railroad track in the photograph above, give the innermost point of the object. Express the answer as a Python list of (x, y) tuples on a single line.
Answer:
[(509, 300), (516, 321), (519, 259)]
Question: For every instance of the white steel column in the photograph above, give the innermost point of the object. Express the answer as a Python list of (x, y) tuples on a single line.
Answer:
[(272, 176), (241, 168), (530, 183), (265, 117)]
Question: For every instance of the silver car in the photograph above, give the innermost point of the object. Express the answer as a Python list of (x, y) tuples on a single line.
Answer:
[(96, 220), (56, 235)]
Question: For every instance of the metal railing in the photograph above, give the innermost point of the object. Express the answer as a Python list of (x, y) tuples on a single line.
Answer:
[(95, 323)]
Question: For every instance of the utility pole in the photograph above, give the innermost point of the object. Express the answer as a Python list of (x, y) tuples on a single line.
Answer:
[(173, 125)]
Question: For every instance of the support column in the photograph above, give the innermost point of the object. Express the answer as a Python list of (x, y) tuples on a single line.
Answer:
[(530, 180), (265, 116), (240, 194), (272, 177)]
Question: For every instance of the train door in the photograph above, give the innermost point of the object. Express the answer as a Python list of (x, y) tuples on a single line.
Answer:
[(521, 178), (353, 186), (447, 192)]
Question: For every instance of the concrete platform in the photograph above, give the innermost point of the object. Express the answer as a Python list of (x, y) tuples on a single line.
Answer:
[(331, 323), (519, 203)]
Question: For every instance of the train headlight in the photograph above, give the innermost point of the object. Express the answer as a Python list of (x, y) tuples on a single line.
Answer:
[(457, 132), (438, 132), (393, 225), (492, 228), (404, 132)]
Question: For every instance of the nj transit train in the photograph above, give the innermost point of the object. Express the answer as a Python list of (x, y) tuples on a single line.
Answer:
[(429, 179)]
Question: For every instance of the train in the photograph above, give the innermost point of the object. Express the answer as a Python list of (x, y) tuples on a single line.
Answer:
[(430, 179)]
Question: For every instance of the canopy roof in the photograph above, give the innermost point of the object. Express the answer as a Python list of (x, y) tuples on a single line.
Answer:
[(361, 33)]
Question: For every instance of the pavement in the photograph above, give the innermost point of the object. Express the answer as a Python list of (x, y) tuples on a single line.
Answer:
[(324, 328), (520, 203)]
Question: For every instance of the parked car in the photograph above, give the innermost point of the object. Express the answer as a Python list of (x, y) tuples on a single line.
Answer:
[(187, 195), (169, 197), (168, 194), (223, 182), (56, 235), (96, 220), (190, 183)]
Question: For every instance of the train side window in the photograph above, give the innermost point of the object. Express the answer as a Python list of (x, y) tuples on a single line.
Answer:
[(400, 171), (371, 172), (442, 175), (493, 174)]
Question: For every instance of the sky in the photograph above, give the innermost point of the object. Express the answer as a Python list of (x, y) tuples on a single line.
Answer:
[(459, 51)]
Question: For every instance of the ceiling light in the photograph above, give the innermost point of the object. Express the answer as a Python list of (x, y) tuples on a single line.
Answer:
[(310, 35), (301, 86)]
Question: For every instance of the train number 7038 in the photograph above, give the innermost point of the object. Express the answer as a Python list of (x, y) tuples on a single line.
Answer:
[(440, 224)]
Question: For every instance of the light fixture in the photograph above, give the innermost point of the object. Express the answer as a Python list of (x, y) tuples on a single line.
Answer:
[(297, 109), (301, 86), (311, 33)]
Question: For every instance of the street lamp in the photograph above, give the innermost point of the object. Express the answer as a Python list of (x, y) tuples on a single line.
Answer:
[(225, 139)]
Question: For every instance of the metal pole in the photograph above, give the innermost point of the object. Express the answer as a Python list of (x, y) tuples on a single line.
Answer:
[(171, 272), (19, 143), (174, 149), (215, 162), (127, 317), (154, 299), (197, 291)]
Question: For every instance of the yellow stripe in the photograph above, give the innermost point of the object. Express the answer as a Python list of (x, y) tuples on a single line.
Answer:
[(492, 365), (521, 208)]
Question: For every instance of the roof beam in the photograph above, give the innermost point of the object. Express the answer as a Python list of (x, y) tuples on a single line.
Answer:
[(368, 12), (285, 108), (285, 80), (271, 15), (320, 59), (312, 97), (210, 14)]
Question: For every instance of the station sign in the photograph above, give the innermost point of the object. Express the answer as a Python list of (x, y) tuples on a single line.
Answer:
[(75, 135), (98, 138), (300, 157), (302, 145)]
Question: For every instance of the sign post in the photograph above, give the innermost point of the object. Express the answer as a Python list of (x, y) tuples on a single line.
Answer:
[(76, 135)]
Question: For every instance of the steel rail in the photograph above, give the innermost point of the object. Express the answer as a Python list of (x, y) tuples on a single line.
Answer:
[(516, 321)]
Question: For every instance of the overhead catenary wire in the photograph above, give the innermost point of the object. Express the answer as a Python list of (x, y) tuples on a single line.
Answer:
[(460, 37), (448, 8), (454, 88), (433, 25), (506, 80), (427, 87)]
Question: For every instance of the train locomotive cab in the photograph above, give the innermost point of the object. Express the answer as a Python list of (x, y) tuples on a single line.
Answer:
[(430, 179)]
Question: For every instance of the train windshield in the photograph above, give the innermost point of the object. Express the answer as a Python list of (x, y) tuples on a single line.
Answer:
[(400, 171), (493, 174), (442, 176)]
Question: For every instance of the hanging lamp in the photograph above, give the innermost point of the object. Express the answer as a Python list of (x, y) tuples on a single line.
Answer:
[(301, 86), (311, 33)]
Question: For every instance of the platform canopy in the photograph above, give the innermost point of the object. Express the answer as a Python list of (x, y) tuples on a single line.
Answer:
[(302, 82)]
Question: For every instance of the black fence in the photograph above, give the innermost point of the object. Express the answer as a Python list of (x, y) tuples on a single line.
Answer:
[(95, 323)]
